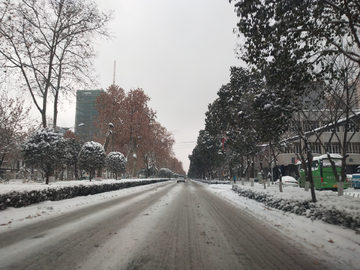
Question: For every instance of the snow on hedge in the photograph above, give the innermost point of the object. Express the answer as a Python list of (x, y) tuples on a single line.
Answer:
[(330, 208), (18, 195)]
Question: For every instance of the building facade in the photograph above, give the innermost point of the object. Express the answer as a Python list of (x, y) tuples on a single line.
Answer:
[(322, 139), (86, 114)]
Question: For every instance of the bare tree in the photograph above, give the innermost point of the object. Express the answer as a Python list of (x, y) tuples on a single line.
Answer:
[(328, 120), (49, 45), (342, 112), (14, 125)]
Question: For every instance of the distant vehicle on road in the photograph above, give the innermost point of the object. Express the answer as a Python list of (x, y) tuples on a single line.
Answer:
[(181, 179)]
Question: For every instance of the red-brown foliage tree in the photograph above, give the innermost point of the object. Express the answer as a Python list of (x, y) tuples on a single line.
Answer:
[(157, 148), (136, 133)]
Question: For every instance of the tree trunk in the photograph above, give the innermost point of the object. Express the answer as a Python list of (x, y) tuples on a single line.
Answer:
[(311, 181), (262, 175), (2, 159), (76, 171), (343, 175), (280, 183), (47, 175), (99, 173), (43, 111), (340, 188), (43, 120), (133, 168), (55, 109)]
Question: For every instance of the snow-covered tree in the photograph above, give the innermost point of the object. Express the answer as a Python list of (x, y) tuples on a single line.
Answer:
[(116, 163), (207, 156), (45, 150), (91, 157), (230, 116), (290, 41), (165, 173), (72, 150)]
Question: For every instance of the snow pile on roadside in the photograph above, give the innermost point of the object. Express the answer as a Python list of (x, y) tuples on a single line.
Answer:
[(330, 208), (214, 182)]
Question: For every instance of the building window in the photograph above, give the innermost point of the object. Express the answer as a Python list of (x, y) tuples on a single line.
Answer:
[(316, 148), (353, 128), (334, 148), (353, 148), (297, 149)]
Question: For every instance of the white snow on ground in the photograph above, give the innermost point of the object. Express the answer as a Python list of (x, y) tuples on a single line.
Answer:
[(15, 217), (330, 240), (320, 237)]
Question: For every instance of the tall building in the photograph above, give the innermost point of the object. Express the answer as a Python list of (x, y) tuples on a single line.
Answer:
[(86, 114)]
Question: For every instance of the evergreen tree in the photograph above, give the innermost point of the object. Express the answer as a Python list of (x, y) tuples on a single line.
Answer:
[(206, 157), (116, 163), (45, 150), (72, 150), (165, 173), (290, 42), (91, 157)]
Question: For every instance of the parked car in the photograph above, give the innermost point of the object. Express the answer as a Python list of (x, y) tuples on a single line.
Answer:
[(181, 179), (288, 181)]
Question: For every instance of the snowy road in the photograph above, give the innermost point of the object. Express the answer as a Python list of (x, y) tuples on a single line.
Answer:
[(165, 226)]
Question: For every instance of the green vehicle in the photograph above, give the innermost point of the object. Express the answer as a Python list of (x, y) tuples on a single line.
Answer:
[(322, 173)]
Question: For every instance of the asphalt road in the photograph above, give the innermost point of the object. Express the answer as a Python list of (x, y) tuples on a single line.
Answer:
[(167, 226)]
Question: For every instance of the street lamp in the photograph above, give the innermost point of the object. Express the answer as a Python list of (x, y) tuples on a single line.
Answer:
[(110, 132)]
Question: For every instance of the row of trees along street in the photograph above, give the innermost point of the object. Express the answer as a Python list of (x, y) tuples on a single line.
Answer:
[(50, 152), (303, 62), (47, 52)]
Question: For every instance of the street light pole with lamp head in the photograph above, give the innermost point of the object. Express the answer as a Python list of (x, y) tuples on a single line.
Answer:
[(110, 132), (106, 144)]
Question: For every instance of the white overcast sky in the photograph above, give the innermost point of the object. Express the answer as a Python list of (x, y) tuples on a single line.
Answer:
[(178, 52)]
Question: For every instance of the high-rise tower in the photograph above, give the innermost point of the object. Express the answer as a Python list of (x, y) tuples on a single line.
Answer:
[(86, 114)]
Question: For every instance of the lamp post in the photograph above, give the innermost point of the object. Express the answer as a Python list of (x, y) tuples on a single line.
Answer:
[(106, 144), (110, 132)]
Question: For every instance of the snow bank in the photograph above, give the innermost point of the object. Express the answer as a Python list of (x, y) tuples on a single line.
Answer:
[(330, 208), (214, 182)]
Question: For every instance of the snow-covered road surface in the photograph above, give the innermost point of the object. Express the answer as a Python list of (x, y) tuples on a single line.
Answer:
[(161, 226)]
